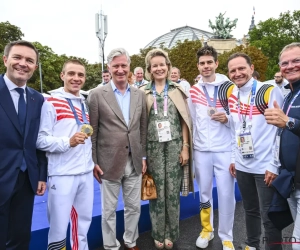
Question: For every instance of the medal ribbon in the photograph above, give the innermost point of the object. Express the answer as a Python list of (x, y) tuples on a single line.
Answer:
[(214, 102), (85, 121), (165, 99), (253, 92)]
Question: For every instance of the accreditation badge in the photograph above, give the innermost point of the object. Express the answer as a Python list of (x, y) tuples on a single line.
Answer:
[(246, 145), (164, 131), (276, 149), (211, 111), (87, 129)]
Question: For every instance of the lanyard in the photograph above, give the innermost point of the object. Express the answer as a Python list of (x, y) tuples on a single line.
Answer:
[(291, 103), (85, 121), (214, 102), (280, 130), (165, 99), (241, 118)]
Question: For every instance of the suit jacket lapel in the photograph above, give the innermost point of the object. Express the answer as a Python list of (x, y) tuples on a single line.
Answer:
[(112, 101), (8, 106), (133, 103), (149, 101)]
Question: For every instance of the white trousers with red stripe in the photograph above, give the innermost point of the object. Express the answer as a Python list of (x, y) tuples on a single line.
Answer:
[(70, 199), (207, 165)]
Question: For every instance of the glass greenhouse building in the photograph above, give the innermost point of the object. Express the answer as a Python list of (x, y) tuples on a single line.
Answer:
[(170, 39)]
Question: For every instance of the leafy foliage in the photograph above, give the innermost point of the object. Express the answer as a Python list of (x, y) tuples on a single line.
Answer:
[(259, 60), (184, 57), (139, 59), (8, 33), (51, 65), (273, 34), (93, 76)]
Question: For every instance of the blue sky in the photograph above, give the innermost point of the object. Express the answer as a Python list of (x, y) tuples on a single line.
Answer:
[(68, 26)]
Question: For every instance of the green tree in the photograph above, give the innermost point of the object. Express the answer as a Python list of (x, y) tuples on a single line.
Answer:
[(51, 65), (93, 76), (184, 57), (8, 33), (138, 60), (259, 60), (273, 34)]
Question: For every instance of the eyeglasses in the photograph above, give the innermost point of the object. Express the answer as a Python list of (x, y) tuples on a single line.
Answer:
[(277, 76), (294, 62)]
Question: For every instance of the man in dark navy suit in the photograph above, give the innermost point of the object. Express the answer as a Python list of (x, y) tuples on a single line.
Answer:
[(23, 169)]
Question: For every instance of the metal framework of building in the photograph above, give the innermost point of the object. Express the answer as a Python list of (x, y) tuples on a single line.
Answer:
[(180, 34)]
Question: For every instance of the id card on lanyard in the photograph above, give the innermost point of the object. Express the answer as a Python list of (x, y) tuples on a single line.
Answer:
[(163, 127), (246, 145), (164, 131), (245, 141)]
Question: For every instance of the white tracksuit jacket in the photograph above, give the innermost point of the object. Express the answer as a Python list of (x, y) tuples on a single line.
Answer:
[(263, 134), (209, 135), (57, 126)]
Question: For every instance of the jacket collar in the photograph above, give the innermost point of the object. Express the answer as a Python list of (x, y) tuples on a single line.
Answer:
[(296, 86), (247, 87)]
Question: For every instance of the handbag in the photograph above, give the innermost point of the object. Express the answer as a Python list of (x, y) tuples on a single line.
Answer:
[(148, 188)]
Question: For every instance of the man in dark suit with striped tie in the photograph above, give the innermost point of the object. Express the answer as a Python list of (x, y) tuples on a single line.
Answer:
[(23, 169)]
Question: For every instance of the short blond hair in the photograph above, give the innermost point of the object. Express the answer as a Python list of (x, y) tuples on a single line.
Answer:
[(151, 54)]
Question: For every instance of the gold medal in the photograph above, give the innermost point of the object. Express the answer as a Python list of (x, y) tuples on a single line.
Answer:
[(87, 129), (211, 111)]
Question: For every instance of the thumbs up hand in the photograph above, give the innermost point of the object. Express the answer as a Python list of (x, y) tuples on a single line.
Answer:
[(275, 104), (276, 116)]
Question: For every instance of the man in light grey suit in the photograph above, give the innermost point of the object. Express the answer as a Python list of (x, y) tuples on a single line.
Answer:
[(119, 119)]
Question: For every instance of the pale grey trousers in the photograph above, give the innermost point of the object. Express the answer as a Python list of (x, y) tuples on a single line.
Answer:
[(131, 188)]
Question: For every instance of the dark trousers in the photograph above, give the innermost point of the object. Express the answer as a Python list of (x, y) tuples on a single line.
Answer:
[(257, 197), (16, 215)]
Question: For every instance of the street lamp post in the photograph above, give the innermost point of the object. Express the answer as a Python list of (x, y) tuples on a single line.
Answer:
[(41, 77), (101, 33)]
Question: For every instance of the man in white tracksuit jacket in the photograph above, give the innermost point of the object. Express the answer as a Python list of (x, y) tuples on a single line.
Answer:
[(70, 164), (208, 105), (252, 161)]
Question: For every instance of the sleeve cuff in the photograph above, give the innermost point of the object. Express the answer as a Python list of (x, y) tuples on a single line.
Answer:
[(232, 160), (67, 145), (273, 169), (227, 124)]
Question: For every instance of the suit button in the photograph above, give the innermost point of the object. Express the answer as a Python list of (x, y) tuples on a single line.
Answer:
[(126, 147)]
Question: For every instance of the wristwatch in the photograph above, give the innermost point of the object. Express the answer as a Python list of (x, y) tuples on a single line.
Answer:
[(290, 124)]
